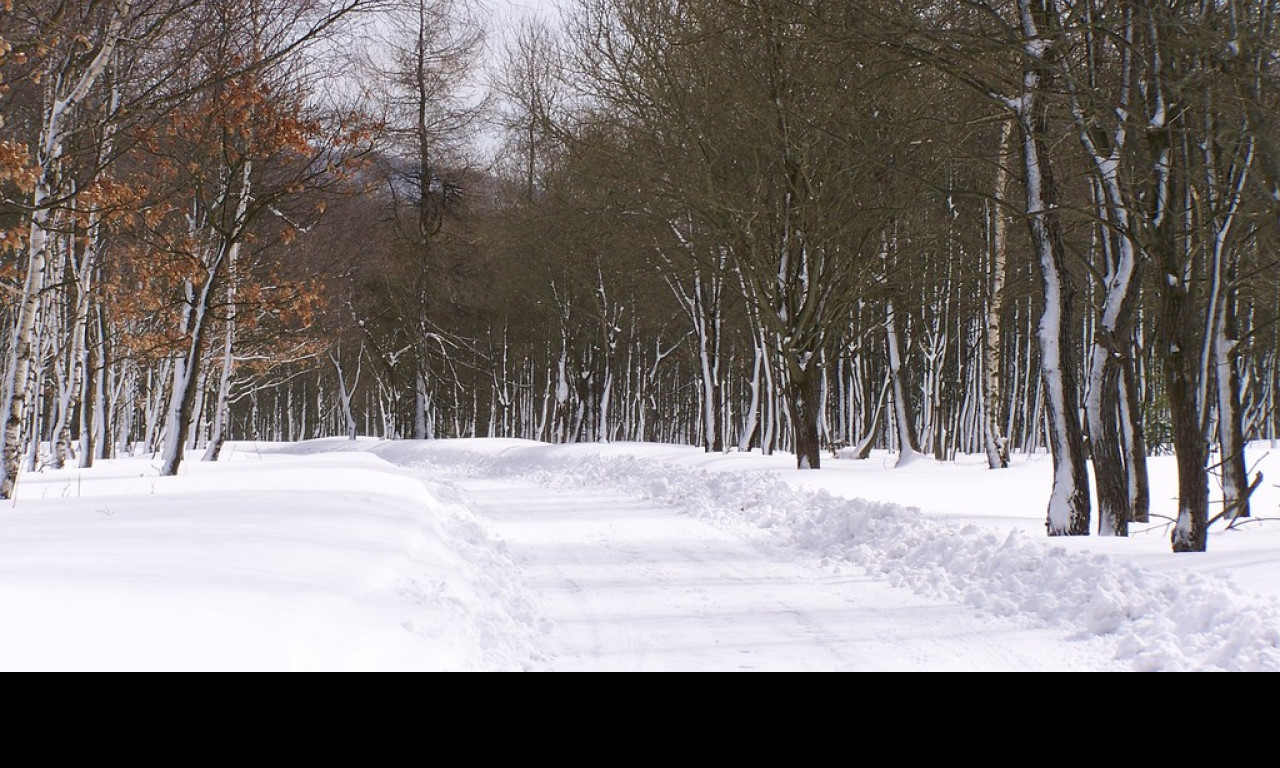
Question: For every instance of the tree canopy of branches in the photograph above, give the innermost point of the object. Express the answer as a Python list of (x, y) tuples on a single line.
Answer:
[(928, 227)]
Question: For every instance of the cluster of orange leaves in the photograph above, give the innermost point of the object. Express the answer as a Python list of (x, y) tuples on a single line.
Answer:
[(16, 167), (141, 283), (242, 121), (142, 293), (17, 173), (273, 313)]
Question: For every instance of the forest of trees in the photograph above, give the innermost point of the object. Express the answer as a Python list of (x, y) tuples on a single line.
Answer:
[(932, 227)]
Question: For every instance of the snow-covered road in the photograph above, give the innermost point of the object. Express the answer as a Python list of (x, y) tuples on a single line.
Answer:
[(635, 586), (501, 555)]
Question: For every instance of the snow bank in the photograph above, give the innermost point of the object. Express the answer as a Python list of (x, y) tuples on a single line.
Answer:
[(1161, 621), (328, 563)]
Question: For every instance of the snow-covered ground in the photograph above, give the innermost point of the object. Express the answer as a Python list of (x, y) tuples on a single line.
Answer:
[(508, 555)]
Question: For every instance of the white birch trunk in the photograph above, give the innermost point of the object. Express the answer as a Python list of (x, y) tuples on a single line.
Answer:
[(907, 450), (346, 392), (184, 372), (68, 92), (420, 402), (221, 408), (217, 434), (995, 439)]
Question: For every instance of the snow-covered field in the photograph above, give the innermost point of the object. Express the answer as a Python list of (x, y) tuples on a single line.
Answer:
[(508, 555)]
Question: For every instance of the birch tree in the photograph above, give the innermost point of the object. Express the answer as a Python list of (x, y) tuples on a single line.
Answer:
[(72, 72), (239, 153), (995, 438)]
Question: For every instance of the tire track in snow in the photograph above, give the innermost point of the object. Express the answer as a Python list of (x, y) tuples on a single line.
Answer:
[(636, 586)]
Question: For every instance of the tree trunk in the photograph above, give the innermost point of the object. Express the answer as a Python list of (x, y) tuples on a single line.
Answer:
[(1190, 532), (92, 430), (996, 442), (863, 449), (904, 421), (421, 398), (751, 428), (221, 408), (345, 392), (1105, 439), (1135, 444), (1069, 506), (1235, 471), (186, 378), (804, 404), (23, 350)]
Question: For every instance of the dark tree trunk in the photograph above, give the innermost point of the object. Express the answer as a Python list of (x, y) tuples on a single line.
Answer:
[(1070, 505), (1109, 465), (1135, 444), (1190, 533), (804, 403)]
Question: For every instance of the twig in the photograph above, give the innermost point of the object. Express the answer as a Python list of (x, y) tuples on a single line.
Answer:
[(1242, 521), (1228, 512)]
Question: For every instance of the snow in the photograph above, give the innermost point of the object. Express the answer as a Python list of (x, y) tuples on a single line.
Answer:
[(1159, 117), (1038, 47), (504, 555)]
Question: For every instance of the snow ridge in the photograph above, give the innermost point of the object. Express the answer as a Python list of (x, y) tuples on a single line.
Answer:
[(1161, 622), (485, 593)]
